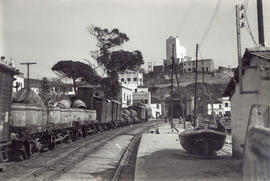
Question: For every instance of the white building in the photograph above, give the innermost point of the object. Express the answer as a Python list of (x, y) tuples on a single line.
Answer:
[(179, 51), (125, 96), (222, 107), (131, 79), (156, 110), (256, 86), (142, 95), (18, 83)]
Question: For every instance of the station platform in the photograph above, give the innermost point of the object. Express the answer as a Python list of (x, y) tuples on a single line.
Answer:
[(161, 157)]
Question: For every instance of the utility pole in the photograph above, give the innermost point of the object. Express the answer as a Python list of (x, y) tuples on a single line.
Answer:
[(28, 64), (260, 22), (238, 26)]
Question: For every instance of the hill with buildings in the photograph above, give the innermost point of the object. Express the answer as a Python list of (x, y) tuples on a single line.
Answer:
[(159, 84)]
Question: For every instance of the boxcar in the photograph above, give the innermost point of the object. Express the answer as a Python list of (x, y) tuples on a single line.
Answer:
[(100, 106), (6, 82), (116, 112)]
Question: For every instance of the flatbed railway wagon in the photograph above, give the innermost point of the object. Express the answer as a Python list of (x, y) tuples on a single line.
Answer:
[(6, 81), (35, 128)]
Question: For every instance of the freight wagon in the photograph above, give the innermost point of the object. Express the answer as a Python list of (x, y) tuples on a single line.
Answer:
[(25, 128)]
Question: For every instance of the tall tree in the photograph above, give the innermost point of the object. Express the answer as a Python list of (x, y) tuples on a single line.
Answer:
[(77, 71), (111, 57)]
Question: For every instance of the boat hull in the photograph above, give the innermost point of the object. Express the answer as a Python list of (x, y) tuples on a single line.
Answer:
[(202, 142)]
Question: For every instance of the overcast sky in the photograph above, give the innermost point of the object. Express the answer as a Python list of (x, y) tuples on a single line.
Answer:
[(47, 31)]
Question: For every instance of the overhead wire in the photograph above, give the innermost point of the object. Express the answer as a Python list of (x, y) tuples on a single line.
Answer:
[(185, 17), (247, 23), (211, 22)]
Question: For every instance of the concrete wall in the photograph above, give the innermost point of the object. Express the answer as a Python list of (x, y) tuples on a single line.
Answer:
[(256, 162), (27, 115), (241, 103)]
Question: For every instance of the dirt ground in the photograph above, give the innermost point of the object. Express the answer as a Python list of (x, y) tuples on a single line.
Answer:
[(161, 157)]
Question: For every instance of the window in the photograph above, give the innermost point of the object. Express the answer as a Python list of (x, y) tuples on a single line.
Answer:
[(188, 63), (128, 79), (134, 79), (135, 90), (207, 69), (220, 106), (157, 106), (189, 70), (122, 80), (226, 104)]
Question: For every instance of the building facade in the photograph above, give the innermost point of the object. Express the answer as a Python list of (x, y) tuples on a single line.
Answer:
[(18, 83), (156, 110), (131, 79), (125, 96), (179, 51), (222, 107), (142, 95), (256, 86), (206, 65)]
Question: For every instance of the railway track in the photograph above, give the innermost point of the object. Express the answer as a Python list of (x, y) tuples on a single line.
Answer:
[(52, 164)]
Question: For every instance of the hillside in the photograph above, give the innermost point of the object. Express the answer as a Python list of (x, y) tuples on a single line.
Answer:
[(159, 85)]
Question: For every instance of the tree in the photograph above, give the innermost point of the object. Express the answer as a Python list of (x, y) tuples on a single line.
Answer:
[(45, 90), (54, 90), (77, 71), (114, 61)]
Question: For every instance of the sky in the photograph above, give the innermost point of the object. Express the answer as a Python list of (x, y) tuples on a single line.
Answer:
[(47, 31)]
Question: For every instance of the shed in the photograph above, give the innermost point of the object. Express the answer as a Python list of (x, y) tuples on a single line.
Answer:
[(256, 86)]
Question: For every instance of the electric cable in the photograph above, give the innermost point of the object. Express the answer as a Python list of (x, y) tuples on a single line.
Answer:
[(211, 22)]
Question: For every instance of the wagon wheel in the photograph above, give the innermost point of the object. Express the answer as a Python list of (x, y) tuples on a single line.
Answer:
[(52, 143), (27, 150), (84, 132), (74, 135)]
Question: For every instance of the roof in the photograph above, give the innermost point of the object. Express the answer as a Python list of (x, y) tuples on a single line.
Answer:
[(199, 60), (126, 87), (263, 53), (8, 69)]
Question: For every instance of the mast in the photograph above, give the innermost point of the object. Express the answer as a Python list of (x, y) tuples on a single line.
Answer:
[(202, 91), (171, 104), (260, 22), (180, 96), (196, 77)]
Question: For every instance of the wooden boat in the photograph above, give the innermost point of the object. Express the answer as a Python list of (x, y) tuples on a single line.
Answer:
[(201, 141)]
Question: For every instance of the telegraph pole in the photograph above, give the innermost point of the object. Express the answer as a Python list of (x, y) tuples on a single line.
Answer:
[(28, 64), (238, 26), (260, 22)]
